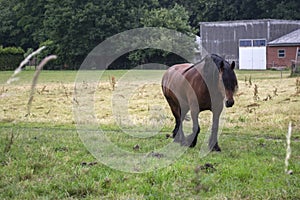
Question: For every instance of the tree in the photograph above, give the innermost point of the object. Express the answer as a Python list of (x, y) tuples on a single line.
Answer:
[(280, 9), (10, 33), (30, 17), (175, 18), (74, 27)]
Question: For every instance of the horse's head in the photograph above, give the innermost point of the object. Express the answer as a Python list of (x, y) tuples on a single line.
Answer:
[(229, 80)]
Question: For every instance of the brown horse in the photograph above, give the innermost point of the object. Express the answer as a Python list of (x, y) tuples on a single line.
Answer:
[(198, 87)]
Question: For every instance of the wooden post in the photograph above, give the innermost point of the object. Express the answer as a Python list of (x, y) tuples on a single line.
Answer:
[(292, 68)]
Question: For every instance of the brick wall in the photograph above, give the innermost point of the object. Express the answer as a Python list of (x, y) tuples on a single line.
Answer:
[(274, 60)]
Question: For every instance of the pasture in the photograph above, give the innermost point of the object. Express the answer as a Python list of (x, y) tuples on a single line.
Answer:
[(42, 156)]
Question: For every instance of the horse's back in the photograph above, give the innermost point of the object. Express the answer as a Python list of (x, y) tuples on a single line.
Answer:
[(174, 73), (174, 82), (181, 67)]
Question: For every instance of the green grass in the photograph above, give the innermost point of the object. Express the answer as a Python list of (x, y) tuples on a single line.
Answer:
[(47, 159), (25, 77)]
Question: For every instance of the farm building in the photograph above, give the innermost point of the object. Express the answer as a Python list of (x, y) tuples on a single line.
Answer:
[(284, 50), (245, 41)]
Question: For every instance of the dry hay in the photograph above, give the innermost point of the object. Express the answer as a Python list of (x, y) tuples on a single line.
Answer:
[(53, 103)]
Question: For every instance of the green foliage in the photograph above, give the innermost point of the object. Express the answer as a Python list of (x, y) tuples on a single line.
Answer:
[(10, 57), (11, 50), (76, 27), (51, 49), (175, 18)]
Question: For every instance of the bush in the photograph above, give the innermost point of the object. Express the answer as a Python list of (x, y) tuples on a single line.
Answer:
[(10, 57), (51, 49)]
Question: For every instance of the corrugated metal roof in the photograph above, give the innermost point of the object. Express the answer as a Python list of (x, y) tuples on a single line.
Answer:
[(292, 38), (247, 22)]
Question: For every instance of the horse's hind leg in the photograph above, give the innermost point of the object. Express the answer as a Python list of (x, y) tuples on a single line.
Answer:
[(176, 113), (179, 135), (179, 113), (177, 125), (175, 108)]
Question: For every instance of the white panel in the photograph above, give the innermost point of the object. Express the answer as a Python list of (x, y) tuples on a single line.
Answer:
[(245, 60), (259, 60)]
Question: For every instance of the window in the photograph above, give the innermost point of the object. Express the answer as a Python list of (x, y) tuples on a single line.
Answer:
[(245, 43), (259, 43), (298, 53), (281, 53)]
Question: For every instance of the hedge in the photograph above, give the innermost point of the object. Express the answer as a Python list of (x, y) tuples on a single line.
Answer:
[(10, 57)]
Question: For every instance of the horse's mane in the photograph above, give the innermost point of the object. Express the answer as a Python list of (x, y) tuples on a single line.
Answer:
[(192, 66), (216, 58)]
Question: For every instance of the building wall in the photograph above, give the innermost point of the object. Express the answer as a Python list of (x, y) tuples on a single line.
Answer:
[(223, 37), (274, 61)]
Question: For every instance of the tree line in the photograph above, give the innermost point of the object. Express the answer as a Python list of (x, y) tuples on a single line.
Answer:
[(72, 28)]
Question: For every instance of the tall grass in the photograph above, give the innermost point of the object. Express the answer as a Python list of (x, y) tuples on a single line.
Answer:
[(23, 63), (35, 78), (288, 149)]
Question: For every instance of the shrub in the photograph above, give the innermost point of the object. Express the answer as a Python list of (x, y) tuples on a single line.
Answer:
[(10, 57)]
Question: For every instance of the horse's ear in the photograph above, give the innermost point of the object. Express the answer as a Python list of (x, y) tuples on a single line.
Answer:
[(221, 66), (232, 65)]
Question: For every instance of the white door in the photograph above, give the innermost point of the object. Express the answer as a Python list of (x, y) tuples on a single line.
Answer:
[(253, 54)]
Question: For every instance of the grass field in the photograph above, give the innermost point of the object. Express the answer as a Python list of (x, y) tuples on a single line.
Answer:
[(42, 155)]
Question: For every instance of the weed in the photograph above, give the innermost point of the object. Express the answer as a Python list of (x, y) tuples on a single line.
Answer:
[(275, 92), (250, 80), (243, 118), (112, 81), (255, 93), (65, 89), (10, 139), (3, 90), (297, 86), (269, 97)]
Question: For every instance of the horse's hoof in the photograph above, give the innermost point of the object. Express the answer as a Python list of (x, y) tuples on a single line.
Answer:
[(188, 144), (183, 143), (193, 145), (191, 141), (216, 148), (176, 140)]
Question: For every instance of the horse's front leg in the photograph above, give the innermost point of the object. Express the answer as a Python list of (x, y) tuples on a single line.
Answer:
[(213, 140), (179, 137), (192, 139)]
